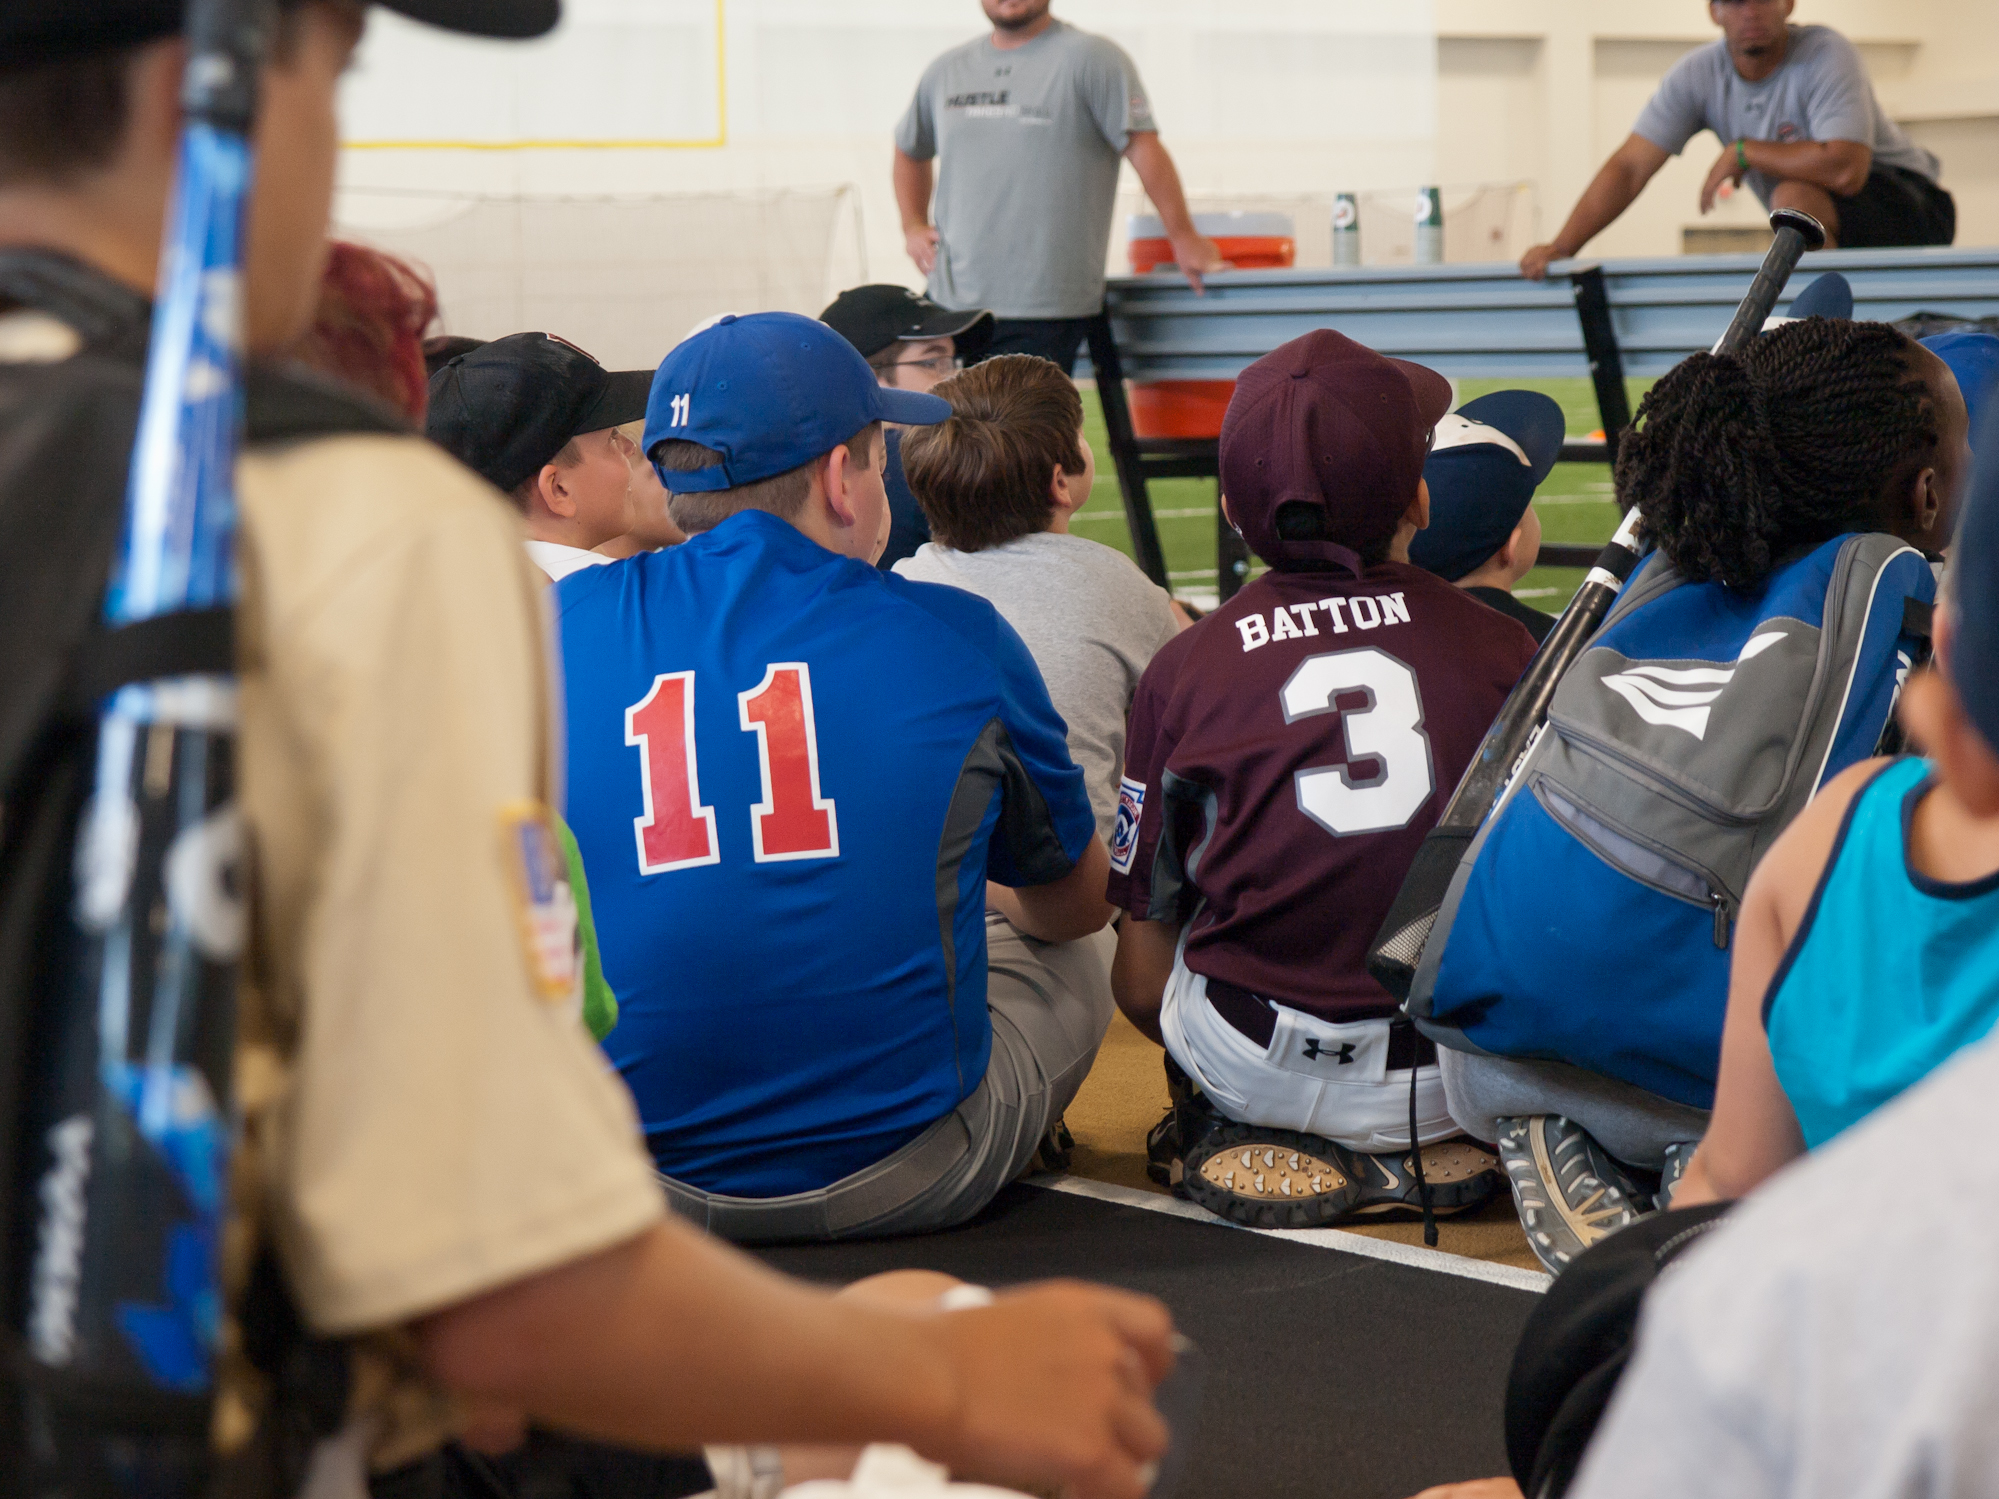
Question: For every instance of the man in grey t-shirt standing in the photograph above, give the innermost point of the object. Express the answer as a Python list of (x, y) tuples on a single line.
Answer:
[(1031, 122), (1798, 121)]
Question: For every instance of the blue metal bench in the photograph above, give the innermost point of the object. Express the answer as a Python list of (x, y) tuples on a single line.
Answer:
[(1604, 320)]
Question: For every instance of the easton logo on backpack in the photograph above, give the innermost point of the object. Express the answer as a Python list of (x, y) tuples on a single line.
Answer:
[(1589, 921), (1681, 698)]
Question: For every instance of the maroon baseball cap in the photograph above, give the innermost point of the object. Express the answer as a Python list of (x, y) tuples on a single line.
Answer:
[(1328, 423)]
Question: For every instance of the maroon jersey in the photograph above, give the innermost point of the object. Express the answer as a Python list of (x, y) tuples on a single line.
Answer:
[(1286, 756)]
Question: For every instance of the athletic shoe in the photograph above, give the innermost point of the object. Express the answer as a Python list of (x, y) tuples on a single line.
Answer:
[(1271, 1178), (1568, 1190), (1187, 1118), (1057, 1147), (1678, 1156), (1162, 1150), (1462, 1176)]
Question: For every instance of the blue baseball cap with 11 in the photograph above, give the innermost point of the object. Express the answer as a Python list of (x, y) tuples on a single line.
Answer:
[(770, 392)]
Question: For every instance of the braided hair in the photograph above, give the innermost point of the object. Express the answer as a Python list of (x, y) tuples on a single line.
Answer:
[(1735, 459)]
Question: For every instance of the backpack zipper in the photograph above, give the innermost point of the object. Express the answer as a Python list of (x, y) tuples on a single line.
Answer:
[(1641, 862)]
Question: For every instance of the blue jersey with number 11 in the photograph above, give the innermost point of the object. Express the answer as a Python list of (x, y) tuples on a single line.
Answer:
[(791, 776)]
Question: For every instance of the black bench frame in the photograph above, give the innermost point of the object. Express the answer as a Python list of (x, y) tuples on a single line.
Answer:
[(1138, 460)]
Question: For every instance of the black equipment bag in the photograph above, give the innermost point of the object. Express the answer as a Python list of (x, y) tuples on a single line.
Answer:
[(67, 426), (1574, 1348)]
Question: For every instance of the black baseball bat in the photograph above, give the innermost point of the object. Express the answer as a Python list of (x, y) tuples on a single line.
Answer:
[(1398, 946)]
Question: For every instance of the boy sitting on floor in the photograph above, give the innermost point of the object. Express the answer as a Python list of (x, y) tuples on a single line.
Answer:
[(999, 480), (792, 777), (1286, 757), (1488, 458)]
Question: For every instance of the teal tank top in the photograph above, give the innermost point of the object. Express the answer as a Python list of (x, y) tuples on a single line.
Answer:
[(1891, 973)]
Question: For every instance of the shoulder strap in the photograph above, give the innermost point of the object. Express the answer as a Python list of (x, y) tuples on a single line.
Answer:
[(289, 403), (64, 431)]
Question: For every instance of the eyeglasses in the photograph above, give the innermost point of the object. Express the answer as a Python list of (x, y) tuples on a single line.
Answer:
[(935, 366)]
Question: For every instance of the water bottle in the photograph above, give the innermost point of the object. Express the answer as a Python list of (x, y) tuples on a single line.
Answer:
[(1346, 230), (1430, 227)]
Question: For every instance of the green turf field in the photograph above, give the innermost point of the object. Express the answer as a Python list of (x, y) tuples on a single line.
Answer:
[(1574, 504)]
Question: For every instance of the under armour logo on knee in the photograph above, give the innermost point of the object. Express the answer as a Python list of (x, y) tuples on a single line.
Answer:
[(1343, 1053)]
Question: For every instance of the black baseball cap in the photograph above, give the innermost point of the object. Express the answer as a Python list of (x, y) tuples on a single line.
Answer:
[(50, 30), (507, 407), (873, 317)]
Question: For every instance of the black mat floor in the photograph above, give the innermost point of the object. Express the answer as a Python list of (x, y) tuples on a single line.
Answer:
[(1329, 1375)]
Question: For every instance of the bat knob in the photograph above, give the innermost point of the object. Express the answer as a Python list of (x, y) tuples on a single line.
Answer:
[(1808, 228)]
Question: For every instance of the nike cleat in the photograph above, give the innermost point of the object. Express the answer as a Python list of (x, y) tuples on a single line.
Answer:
[(1271, 1178), (1462, 1176), (1569, 1192), (1162, 1150)]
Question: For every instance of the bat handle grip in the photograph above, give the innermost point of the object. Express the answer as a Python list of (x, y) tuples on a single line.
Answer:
[(1797, 232)]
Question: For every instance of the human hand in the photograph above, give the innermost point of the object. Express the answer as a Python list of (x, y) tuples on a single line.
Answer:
[(1478, 1488), (921, 242), (1534, 264), (1197, 255), (1054, 1385), (1725, 169)]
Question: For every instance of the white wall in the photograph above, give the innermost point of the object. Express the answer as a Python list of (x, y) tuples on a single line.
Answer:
[(1272, 99)]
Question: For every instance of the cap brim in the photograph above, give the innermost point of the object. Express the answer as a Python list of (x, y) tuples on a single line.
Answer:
[(910, 408), (972, 331), (1531, 419), (622, 400), (1432, 390), (513, 19)]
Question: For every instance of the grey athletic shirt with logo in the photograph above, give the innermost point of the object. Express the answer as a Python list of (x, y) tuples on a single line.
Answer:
[(1820, 93), (1030, 140)]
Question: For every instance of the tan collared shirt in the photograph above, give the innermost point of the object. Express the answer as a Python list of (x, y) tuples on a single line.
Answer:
[(425, 1121)]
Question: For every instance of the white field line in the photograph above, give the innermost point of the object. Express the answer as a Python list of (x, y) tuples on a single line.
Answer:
[(1535, 593), (1413, 1255)]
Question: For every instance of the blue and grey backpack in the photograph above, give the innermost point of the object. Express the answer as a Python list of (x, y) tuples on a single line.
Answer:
[(1589, 922)]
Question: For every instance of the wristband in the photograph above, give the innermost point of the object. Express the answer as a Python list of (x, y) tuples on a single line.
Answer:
[(1741, 154)]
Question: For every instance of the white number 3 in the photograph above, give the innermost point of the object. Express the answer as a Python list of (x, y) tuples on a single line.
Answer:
[(1387, 775)]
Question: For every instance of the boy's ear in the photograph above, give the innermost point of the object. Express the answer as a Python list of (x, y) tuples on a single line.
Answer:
[(553, 493), (1418, 513), (834, 472)]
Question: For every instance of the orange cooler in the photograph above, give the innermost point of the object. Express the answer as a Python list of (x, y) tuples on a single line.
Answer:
[(1248, 242)]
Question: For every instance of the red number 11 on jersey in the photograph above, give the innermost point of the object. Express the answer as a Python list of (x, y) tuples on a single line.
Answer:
[(793, 821)]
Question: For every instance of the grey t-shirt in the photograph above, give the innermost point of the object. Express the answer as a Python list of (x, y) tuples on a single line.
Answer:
[(1820, 92), (1838, 1336), (1030, 140), (1092, 622)]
